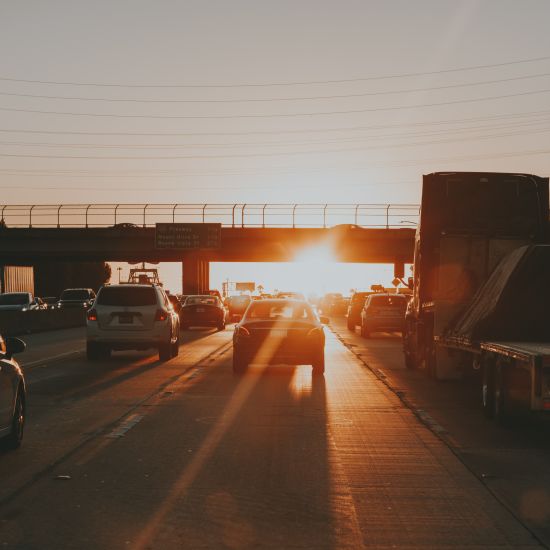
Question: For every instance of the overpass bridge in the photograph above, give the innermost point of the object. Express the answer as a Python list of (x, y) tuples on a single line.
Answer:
[(249, 232)]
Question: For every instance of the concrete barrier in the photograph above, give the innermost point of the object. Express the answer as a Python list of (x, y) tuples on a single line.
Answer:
[(13, 323)]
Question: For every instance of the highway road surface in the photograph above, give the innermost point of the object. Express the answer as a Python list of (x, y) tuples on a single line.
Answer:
[(134, 453)]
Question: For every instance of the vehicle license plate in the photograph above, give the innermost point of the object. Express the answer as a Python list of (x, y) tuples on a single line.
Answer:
[(278, 333), (200, 310), (125, 319)]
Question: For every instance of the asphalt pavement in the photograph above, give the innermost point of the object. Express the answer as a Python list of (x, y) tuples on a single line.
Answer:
[(134, 453)]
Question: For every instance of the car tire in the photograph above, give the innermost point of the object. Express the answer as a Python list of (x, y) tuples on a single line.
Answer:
[(319, 364), (14, 439), (93, 351), (221, 326), (239, 364), (165, 351), (176, 347)]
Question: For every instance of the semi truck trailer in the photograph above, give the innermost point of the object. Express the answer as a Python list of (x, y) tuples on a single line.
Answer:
[(481, 239)]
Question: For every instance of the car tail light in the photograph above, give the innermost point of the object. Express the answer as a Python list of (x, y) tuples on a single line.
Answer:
[(92, 315), (161, 315)]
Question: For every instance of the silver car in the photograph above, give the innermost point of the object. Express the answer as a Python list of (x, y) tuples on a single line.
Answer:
[(132, 317), (12, 394)]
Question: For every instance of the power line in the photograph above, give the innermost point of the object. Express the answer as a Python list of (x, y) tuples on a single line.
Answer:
[(279, 132), (275, 99), (280, 115), (256, 155), (286, 143), (266, 84)]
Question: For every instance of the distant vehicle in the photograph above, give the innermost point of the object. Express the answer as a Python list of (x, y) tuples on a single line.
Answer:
[(215, 292), (12, 394), (124, 225), (236, 305), (355, 306), (383, 312), (280, 331), (19, 301), (50, 301), (290, 296), (203, 311), (132, 317), (76, 297), (176, 304)]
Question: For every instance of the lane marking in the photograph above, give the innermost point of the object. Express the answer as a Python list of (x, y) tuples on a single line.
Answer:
[(48, 360), (125, 426)]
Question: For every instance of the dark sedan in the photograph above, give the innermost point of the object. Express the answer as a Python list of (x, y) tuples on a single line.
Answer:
[(280, 331), (76, 298), (12, 394), (202, 311)]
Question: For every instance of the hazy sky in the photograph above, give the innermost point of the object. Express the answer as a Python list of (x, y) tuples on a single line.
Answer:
[(255, 101)]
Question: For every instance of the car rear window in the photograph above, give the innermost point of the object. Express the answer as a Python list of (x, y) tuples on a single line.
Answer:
[(127, 296), (389, 301), (75, 294), (263, 309)]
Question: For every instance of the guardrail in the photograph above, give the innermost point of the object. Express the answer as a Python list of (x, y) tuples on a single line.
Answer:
[(229, 215)]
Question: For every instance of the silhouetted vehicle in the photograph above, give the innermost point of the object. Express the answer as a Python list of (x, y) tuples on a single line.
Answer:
[(19, 301), (290, 296), (50, 301), (76, 297), (236, 305), (176, 304), (215, 292), (280, 331), (355, 307), (12, 394), (383, 312), (203, 311), (132, 316)]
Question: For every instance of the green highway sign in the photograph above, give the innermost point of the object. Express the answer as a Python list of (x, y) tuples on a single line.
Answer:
[(188, 236)]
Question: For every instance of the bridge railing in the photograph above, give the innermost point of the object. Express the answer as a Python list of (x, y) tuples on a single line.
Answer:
[(229, 215)]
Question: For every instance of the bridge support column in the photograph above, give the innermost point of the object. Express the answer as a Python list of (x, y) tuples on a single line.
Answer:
[(399, 269), (196, 275)]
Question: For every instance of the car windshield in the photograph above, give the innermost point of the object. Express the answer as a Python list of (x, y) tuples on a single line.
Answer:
[(201, 300), (127, 296), (389, 301), (266, 309), (75, 294), (14, 299)]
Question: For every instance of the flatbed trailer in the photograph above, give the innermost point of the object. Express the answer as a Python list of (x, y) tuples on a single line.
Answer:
[(515, 376)]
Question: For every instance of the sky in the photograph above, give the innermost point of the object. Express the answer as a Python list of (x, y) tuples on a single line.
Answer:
[(267, 102)]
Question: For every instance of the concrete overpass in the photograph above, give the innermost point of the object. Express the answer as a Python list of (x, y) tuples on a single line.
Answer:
[(241, 241)]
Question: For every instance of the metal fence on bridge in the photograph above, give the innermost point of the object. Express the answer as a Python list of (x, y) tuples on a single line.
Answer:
[(229, 215)]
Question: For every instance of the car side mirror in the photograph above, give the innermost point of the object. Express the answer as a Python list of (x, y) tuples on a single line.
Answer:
[(324, 320), (13, 346)]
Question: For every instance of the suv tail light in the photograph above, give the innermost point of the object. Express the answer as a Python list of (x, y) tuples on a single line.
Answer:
[(161, 315), (92, 315)]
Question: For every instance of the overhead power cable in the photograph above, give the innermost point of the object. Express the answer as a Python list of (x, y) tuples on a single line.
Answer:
[(275, 99), (287, 143), (528, 114), (265, 84), (273, 154), (279, 115)]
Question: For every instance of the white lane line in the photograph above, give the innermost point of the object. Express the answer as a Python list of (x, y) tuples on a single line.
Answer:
[(46, 360), (125, 426)]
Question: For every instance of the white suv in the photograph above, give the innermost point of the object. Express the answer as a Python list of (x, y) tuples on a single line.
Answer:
[(132, 317)]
